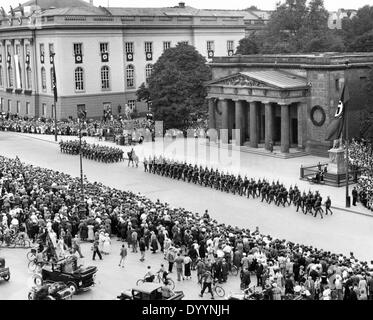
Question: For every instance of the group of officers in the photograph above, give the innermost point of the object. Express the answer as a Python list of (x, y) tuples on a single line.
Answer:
[(230, 183), (92, 151)]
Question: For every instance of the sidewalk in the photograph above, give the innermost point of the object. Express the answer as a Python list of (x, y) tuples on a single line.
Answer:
[(253, 165)]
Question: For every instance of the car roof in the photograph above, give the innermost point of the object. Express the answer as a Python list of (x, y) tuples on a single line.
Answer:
[(147, 287)]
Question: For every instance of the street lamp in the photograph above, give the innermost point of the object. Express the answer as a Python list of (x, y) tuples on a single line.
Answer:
[(81, 116)]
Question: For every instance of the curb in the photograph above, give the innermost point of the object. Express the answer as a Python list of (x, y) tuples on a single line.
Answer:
[(352, 211)]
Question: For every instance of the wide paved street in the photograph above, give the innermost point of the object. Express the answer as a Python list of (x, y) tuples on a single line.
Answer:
[(341, 233)]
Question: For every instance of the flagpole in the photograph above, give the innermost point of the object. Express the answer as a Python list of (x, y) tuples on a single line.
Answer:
[(347, 143), (54, 97), (348, 202)]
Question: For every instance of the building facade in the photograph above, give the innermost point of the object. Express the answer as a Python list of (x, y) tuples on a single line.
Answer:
[(336, 17), (102, 55), (286, 100)]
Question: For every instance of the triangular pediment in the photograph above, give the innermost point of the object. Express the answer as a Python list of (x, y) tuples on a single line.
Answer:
[(263, 79), (240, 80)]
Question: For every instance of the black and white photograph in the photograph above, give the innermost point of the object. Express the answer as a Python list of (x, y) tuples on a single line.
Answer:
[(202, 151)]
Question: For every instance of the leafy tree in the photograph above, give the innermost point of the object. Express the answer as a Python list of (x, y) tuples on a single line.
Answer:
[(295, 27), (363, 43), (176, 86), (248, 45), (357, 32), (143, 93)]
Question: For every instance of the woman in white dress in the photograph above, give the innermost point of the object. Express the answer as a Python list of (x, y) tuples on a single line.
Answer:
[(107, 244), (60, 249), (101, 239), (91, 234)]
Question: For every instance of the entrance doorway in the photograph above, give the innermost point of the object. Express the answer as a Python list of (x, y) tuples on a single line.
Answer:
[(294, 127), (277, 130)]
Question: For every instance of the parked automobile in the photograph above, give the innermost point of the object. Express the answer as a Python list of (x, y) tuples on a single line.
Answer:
[(50, 291), (149, 291), (4, 271), (67, 272)]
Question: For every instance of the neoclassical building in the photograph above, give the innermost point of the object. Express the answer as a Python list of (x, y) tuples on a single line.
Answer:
[(288, 100), (102, 55)]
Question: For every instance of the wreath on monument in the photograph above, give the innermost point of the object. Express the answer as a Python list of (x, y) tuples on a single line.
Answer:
[(318, 110)]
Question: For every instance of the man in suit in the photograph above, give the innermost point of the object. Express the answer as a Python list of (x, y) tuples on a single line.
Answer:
[(354, 196)]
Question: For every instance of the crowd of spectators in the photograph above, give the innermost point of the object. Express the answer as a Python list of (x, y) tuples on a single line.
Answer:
[(93, 128), (361, 158), (40, 201)]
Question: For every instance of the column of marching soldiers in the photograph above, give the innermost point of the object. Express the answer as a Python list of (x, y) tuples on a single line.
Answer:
[(274, 192), (92, 151)]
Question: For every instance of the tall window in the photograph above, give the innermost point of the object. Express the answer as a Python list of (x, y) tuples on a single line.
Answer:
[(43, 79), (130, 75), (131, 104), (166, 45), (42, 49), (27, 107), (18, 106), (43, 109), (51, 48), (148, 46), (9, 105), (10, 77), (105, 83), (104, 46), (210, 45), (1, 77), (79, 81), (148, 72), (28, 78), (78, 48), (230, 45), (129, 47), (2, 104), (51, 72)]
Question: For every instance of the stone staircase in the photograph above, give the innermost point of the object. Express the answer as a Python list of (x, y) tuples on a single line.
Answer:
[(293, 152)]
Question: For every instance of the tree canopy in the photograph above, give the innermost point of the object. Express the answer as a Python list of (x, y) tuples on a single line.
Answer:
[(358, 31), (295, 27), (176, 87)]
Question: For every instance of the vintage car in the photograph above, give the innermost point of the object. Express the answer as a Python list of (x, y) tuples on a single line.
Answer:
[(67, 271), (4, 272), (149, 291), (53, 291)]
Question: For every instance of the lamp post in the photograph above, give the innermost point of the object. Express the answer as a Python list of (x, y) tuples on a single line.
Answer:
[(81, 159), (52, 54)]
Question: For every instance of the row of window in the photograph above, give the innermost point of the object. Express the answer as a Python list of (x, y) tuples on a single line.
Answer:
[(10, 77), (105, 77), (129, 47), (130, 103), (18, 106)]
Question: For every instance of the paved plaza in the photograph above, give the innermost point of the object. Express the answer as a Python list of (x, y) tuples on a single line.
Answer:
[(341, 233)]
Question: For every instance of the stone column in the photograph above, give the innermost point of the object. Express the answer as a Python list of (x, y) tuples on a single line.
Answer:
[(4, 63), (285, 129), (301, 127), (268, 109), (12, 52), (212, 119), (240, 123), (225, 121), (253, 125), (22, 60)]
